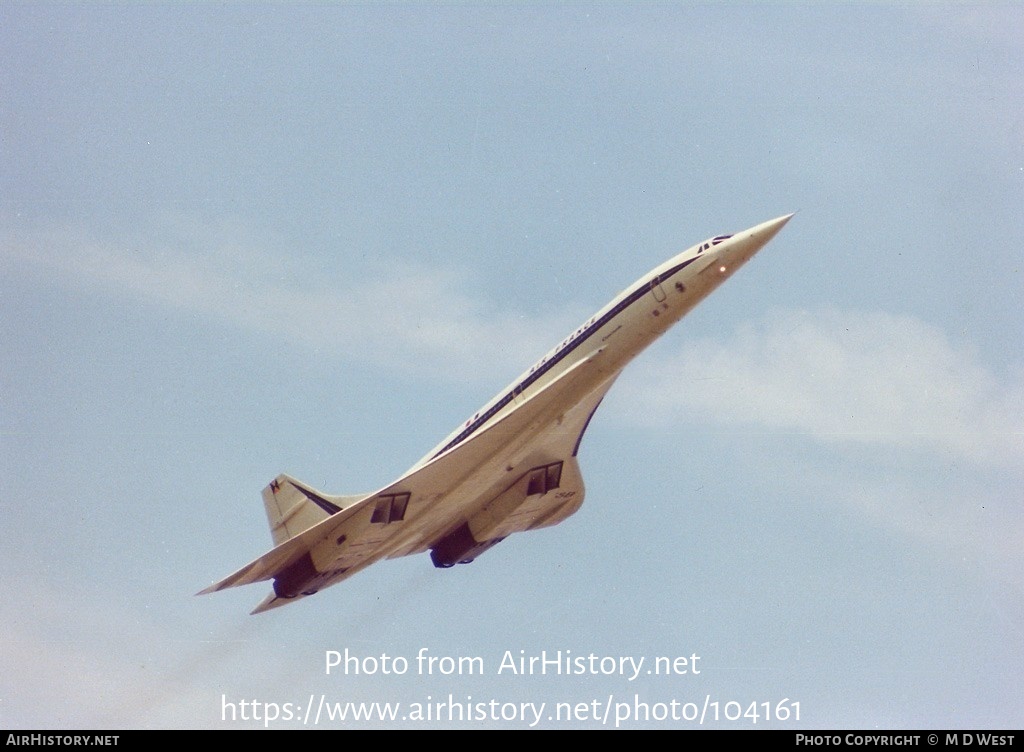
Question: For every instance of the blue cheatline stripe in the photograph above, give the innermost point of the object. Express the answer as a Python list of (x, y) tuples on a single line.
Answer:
[(642, 289)]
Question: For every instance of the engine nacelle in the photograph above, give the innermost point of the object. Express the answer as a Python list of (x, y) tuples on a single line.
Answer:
[(301, 578), (544, 495), (459, 547)]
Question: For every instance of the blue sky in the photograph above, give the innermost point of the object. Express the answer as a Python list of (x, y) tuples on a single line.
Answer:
[(238, 240)]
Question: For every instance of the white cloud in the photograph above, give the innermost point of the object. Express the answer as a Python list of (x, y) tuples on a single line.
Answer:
[(406, 316), (74, 657), (918, 437), (869, 378), (847, 377)]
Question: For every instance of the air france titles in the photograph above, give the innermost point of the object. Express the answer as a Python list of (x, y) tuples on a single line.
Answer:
[(564, 663)]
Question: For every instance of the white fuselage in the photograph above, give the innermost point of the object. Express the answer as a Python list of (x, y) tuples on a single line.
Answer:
[(509, 468), (628, 324)]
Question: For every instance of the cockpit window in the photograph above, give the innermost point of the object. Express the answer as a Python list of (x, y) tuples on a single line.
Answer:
[(714, 241)]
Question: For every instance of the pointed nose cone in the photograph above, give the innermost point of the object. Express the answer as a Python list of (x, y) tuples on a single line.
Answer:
[(759, 235), (771, 227), (743, 245)]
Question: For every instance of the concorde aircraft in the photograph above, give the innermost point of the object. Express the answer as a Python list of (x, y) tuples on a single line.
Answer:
[(509, 468)]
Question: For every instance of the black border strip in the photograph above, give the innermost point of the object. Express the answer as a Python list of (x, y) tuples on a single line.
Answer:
[(318, 500), (576, 449)]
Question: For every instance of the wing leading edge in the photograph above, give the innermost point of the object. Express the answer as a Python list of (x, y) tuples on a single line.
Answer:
[(511, 467), (486, 487)]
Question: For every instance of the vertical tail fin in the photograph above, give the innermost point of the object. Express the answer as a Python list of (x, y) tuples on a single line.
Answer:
[(293, 507)]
